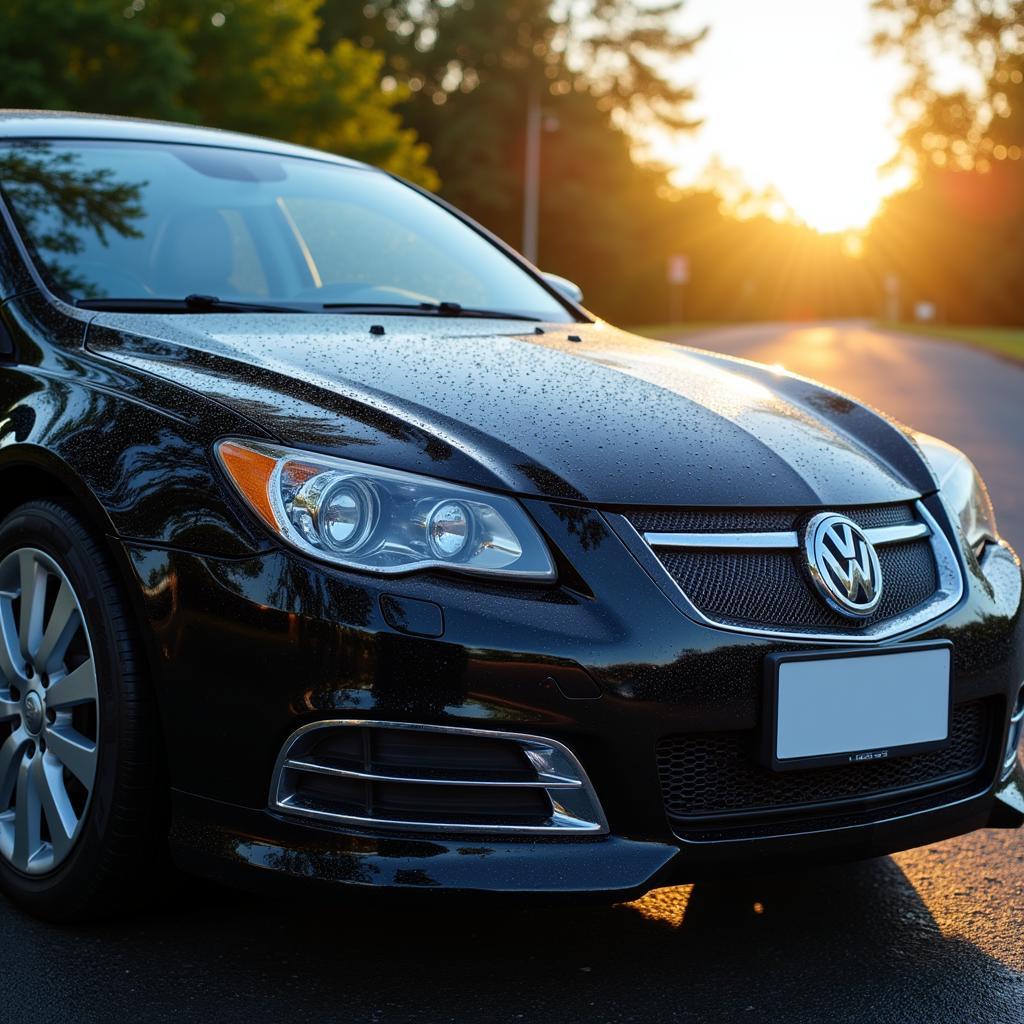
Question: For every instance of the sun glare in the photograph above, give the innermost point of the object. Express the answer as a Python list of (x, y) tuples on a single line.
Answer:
[(794, 103)]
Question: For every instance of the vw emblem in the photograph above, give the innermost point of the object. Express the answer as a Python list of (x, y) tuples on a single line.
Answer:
[(33, 707), (843, 564)]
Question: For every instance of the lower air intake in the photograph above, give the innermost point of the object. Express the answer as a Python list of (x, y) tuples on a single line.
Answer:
[(716, 779), (433, 779)]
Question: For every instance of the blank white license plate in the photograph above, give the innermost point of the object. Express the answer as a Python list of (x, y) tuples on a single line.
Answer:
[(847, 707)]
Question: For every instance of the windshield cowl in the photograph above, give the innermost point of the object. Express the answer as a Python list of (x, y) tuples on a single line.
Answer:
[(214, 304)]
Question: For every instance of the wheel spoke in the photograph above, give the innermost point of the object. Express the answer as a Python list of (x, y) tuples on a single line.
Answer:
[(53, 798), (27, 818), (77, 687), (74, 751), (10, 653), (63, 624), (10, 758), (33, 599)]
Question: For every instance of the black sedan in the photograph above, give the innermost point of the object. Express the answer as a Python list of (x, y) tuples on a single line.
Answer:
[(341, 548)]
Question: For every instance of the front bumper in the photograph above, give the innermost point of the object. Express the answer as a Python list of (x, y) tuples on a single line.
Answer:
[(246, 652)]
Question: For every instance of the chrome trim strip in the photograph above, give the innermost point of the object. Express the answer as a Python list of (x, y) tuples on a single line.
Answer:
[(559, 823), (782, 539), (420, 780), (575, 808), (1013, 731), (882, 535), (945, 598)]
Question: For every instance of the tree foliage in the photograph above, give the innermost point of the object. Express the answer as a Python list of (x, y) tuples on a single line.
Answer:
[(246, 65), (957, 126), (87, 55), (953, 238), (616, 50)]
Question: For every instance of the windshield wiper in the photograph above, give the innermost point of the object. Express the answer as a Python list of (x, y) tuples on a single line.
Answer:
[(426, 309), (189, 304)]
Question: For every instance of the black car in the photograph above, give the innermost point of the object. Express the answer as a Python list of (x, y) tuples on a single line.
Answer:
[(340, 547)]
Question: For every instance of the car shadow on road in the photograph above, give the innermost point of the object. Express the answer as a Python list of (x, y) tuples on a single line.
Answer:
[(852, 943)]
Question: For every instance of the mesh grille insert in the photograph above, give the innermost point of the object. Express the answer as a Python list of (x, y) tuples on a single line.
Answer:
[(714, 775), (770, 588), (736, 519)]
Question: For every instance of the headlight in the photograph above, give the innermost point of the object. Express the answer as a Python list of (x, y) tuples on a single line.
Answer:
[(962, 489), (383, 520)]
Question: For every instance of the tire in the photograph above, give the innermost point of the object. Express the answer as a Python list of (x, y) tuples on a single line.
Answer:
[(77, 708)]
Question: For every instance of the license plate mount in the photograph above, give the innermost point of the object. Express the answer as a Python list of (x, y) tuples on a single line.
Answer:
[(851, 706)]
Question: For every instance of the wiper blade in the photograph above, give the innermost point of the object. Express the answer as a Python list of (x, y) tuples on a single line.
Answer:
[(453, 309), (189, 304)]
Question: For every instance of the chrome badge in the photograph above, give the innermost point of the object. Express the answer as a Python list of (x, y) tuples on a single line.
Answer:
[(843, 564)]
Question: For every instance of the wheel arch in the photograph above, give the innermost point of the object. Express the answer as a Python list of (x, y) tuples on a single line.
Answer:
[(28, 472)]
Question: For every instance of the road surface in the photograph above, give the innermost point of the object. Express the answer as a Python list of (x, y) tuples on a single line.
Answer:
[(932, 935)]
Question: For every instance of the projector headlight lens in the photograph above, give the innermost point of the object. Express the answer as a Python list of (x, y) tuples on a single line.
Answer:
[(383, 520), (448, 529)]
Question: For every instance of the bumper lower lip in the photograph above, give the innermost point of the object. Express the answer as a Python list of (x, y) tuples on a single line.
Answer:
[(259, 851)]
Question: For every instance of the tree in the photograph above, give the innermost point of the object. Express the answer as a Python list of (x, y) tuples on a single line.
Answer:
[(955, 127), (953, 238), (258, 67), (245, 65), (616, 50), (87, 55)]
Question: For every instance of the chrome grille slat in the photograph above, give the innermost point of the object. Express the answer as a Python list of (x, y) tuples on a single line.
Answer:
[(548, 782), (785, 539)]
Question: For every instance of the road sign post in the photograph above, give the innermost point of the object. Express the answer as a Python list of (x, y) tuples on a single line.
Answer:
[(677, 274)]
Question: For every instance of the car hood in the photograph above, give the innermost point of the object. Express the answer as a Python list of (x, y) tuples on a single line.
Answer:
[(582, 412)]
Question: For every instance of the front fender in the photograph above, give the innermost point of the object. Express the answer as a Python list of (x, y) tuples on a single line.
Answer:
[(140, 463)]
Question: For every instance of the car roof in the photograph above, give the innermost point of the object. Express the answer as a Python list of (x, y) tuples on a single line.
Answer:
[(49, 124)]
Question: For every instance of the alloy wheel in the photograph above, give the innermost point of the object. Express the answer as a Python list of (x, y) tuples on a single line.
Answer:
[(49, 713)]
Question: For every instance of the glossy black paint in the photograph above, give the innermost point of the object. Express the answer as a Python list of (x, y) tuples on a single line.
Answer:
[(247, 641), (614, 419)]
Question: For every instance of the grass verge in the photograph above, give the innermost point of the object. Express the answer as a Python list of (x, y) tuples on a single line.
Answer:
[(1003, 341)]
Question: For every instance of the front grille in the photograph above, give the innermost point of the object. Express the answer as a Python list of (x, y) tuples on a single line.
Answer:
[(714, 777), (769, 588)]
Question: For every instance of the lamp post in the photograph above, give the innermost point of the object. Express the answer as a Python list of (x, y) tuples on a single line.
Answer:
[(531, 174)]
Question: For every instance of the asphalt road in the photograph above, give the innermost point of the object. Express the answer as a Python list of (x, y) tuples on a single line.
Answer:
[(926, 936)]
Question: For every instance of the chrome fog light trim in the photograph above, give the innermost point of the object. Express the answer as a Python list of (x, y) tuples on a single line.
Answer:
[(1014, 734), (549, 770)]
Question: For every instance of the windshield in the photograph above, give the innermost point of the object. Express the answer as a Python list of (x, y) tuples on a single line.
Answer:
[(133, 220)]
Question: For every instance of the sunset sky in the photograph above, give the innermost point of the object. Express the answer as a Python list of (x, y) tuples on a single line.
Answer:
[(793, 98)]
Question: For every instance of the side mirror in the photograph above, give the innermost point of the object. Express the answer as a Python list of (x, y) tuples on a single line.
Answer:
[(571, 291)]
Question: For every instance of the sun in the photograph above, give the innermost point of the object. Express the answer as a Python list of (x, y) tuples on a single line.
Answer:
[(795, 103), (830, 195)]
